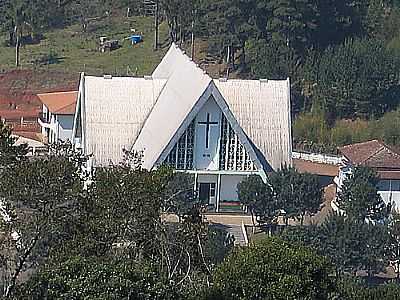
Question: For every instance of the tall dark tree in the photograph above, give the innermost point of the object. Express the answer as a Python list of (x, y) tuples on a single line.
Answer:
[(39, 196), (359, 196)]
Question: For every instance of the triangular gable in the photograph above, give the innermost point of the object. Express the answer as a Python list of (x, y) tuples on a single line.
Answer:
[(213, 91)]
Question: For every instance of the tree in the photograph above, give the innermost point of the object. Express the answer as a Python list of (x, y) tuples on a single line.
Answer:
[(123, 246), (229, 26), (40, 196), (394, 246), (297, 194), (258, 197), (343, 85), (273, 269), (359, 196)]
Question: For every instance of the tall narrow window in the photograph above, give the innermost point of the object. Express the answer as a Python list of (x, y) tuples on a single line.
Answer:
[(181, 155), (232, 154)]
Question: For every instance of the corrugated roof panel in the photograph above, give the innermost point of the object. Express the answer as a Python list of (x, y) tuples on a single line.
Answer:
[(115, 112)]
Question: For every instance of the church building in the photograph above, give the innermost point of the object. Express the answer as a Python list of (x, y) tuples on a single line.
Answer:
[(219, 130)]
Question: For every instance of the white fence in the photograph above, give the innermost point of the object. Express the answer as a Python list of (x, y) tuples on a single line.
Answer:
[(318, 158)]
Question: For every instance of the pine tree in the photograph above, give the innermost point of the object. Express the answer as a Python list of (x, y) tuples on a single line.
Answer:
[(359, 196)]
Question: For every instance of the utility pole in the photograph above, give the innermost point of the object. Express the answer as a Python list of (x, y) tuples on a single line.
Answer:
[(16, 46), (193, 39), (156, 26)]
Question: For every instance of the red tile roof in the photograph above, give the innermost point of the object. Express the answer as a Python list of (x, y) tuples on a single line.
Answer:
[(373, 153), (61, 103)]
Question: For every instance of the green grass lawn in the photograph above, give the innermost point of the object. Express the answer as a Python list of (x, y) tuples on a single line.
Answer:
[(76, 51)]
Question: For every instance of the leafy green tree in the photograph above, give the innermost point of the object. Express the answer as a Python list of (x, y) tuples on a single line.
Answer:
[(229, 27), (273, 269), (119, 228), (359, 197), (40, 196), (258, 197), (297, 194)]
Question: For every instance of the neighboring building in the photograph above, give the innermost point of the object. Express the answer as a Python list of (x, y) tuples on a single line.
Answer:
[(219, 130), (35, 147), (57, 115), (384, 160)]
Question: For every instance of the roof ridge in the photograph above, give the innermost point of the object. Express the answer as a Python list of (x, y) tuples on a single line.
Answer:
[(360, 143), (374, 153), (196, 65), (391, 150)]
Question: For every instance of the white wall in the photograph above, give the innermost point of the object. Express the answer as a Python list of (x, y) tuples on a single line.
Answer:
[(390, 192), (65, 124), (207, 158), (229, 187)]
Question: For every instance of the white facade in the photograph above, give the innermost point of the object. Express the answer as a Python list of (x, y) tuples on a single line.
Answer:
[(56, 127)]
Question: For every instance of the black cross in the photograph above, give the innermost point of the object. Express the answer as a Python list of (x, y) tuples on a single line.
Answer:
[(208, 123)]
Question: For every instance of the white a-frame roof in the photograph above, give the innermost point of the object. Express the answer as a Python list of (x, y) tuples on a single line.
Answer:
[(150, 114)]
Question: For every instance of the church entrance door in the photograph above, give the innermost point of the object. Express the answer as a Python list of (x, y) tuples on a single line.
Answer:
[(207, 193), (204, 193)]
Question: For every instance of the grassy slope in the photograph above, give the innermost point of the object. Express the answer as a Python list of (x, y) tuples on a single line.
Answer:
[(78, 51)]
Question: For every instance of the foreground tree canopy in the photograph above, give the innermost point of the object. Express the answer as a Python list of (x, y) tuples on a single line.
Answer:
[(273, 269)]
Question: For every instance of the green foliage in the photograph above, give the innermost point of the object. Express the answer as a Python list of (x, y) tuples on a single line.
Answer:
[(258, 197), (312, 132), (273, 269), (359, 196), (122, 247), (40, 196), (350, 288), (351, 246), (311, 127), (9, 151), (93, 278), (287, 191), (272, 60), (344, 85), (297, 194)]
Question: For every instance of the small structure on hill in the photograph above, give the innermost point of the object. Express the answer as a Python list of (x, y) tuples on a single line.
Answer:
[(108, 45), (57, 116), (380, 157)]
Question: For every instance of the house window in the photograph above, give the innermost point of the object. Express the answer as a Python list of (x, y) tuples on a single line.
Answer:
[(396, 185), (384, 185), (212, 189)]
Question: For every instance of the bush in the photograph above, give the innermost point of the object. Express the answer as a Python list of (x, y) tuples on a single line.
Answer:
[(273, 269)]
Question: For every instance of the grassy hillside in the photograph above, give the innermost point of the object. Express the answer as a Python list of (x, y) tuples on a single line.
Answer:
[(72, 51)]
